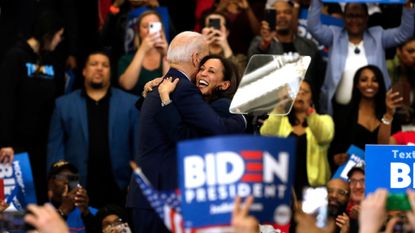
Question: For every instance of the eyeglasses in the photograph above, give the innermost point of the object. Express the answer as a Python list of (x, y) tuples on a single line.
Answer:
[(340, 192), (355, 181)]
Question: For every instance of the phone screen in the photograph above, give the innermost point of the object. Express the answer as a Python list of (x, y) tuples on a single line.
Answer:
[(315, 202), (270, 17), (154, 27), (215, 23), (73, 182)]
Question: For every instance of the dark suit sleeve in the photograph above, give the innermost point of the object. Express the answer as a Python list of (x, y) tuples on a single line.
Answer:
[(170, 120), (196, 113)]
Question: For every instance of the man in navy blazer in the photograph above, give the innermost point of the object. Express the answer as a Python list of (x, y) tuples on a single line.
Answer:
[(157, 152), (95, 129)]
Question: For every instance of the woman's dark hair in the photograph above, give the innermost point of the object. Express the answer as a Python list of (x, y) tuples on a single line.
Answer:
[(230, 73), (292, 118), (380, 106), (47, 24), (111, 209), (406, 42)]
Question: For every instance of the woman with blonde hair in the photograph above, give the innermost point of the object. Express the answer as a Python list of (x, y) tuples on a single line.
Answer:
[(149, 60)]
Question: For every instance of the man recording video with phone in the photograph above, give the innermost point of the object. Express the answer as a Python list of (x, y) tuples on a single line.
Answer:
[(278, 35), (69, 198)]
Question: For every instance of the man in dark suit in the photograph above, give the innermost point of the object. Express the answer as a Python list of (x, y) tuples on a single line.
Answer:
[(94, 128), (157, 152)]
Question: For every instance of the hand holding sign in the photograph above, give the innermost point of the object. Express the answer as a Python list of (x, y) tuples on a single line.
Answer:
[(6, 155)]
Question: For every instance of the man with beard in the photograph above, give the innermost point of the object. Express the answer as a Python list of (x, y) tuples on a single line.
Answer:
[(94, 129), (284, 39), (338, 196), (338, 222), (70, 200)]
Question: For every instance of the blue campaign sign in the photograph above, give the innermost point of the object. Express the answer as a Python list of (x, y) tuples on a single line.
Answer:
[(390, 167), (356, 156), (213, 171), (18, 181)]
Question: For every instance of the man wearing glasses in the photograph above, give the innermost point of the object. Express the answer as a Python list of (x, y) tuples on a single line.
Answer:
[(356, 177), (338, 196)]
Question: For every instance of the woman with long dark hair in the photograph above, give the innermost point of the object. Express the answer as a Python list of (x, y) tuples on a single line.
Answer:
[(368, 117)]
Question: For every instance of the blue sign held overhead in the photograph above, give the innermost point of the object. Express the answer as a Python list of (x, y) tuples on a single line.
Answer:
[(356, 156), (213, 171)]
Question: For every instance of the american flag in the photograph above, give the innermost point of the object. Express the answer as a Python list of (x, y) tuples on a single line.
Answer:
[(166, 204)]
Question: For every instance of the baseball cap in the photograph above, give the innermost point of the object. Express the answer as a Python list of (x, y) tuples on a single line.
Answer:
[(59, 166), (358, 167)]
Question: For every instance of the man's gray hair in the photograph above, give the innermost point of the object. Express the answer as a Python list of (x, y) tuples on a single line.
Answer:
[(184, 45)]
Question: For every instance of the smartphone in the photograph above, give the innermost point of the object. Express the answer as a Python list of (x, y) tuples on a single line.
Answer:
[(154, 27), (73, 182), (270, 17), (315, 202), (214, 23)]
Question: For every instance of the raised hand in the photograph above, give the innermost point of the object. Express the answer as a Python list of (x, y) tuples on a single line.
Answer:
[(241, 221), (373, 211), (166, 87), (6, 155), (45, 219)]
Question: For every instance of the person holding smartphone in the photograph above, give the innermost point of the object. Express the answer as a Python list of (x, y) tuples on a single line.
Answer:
[(282, 38), (69, 198), (149, 60), (216, 31)]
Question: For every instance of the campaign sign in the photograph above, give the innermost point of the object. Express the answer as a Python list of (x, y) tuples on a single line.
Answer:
[(391, 167), (213, 171), (18, 181), (356, 156)]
